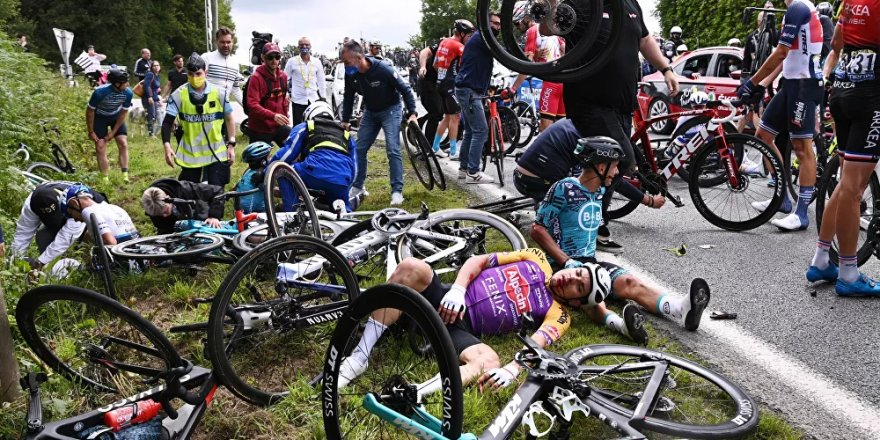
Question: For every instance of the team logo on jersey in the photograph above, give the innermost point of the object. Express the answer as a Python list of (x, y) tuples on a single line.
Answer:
[(517, 289), (590, 216)]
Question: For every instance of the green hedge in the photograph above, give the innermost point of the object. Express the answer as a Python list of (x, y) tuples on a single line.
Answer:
[(707, 23)]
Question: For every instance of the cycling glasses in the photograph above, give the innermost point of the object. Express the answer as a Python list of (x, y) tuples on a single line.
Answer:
[(273, 56)]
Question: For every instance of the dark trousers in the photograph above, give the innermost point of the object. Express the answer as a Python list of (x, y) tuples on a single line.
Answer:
[(279, 137), (217, 173), (296, 112), (433, 108)]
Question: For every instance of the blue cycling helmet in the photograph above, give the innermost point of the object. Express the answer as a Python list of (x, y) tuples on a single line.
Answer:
[(73, 191), (255, 153)]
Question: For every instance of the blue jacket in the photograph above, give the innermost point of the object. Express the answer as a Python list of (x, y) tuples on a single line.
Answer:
[(477, 61), (152, 85), (381, 87), (322, 164)]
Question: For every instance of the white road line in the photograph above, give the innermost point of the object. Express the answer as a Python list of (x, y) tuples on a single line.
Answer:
[(809, 384)]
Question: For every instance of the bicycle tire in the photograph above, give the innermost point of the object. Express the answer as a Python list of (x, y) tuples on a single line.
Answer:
[(417, 309), (509, 126), (45, 170), (36, 307), (824, 190), (206, 243), (243, 242), (307, 220), (418, 153), (101, 259), (741, 419), (700, 194), (689, 124), (621, 206), (250, 282), (496, 154), (528, 123)]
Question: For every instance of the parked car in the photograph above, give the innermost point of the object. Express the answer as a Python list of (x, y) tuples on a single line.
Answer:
[(714, 70)]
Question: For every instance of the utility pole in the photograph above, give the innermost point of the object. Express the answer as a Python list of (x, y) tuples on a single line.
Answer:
[(209, 25)]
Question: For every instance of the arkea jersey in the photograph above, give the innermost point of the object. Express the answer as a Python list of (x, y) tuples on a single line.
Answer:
[(572, 215), (860, 23), (802, 34), (446, 59), (543, 48), (515, 283)]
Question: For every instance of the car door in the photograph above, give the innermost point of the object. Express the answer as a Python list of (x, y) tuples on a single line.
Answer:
[(721, 83)]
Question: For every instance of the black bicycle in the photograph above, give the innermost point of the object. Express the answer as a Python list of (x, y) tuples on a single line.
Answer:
[(103, 346), (630, 389)]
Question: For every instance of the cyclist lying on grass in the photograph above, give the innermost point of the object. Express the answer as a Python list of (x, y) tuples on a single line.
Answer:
[(164, 214), (566, 226), (489, 297)]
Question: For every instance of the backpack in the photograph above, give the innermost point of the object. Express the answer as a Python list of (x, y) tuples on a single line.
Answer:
[(244, 98)]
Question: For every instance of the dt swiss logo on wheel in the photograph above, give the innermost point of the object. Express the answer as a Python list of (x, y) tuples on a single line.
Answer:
[(517, 289)]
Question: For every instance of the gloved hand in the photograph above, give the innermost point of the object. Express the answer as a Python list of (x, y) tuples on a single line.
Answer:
[(571, 263), (452, 305), (497, 378), (749, 92)]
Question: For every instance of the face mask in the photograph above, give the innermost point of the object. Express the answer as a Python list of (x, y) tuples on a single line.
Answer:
[(351, 70), (305, 50), (496, 32), (196, 81)]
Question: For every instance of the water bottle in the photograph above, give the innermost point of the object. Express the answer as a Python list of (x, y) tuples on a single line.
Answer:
[(132, 414)]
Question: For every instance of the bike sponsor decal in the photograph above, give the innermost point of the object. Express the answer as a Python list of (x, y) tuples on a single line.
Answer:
[(411, 428), (506, 417), (517, 289), (745, 412), (139, 396), (686, 152), (327, 317), (580, 354), (330, 381), (447, 403)]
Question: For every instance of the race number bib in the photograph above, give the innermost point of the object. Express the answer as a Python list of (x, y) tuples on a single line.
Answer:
[(860, 65), (441, 74)]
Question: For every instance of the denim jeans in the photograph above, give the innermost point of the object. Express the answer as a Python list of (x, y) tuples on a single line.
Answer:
[(151, 114), (476, 130), (389, 121)]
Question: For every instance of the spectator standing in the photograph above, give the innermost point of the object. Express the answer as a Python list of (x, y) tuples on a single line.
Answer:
[(307, 81), (142, 65), (267, 99), (151, 98), (94, 69), (382, 89), (446, 62), (222, 69), (23, 42), (201, 110), (108, 107), (471, 83), (176, 76)]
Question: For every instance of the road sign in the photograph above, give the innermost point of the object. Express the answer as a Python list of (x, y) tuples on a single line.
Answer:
[(65, 41)]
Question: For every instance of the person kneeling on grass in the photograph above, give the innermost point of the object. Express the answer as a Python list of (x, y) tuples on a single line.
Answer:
[(480, 302), (164, 214), (566, 227), (114, 224)]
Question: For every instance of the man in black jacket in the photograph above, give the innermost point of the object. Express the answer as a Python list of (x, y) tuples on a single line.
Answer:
[(164, 214)]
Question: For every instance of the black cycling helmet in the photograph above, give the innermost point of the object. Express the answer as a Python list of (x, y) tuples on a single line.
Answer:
[(256, 153), (195, 63), (463, 26), (825, 9), (117, 76), (597, 149)]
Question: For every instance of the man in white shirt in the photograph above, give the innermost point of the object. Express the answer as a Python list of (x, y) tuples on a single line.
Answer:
[(307, 81), (222, 70)]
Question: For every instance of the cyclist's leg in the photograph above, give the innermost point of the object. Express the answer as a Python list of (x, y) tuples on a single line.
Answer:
[(101, 127), (368, 130), (332, 192), (453, 111), (122, 145), (431, 102), (828, 230)]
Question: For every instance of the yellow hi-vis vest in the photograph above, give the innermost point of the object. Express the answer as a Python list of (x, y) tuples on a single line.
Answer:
[(202, 142)]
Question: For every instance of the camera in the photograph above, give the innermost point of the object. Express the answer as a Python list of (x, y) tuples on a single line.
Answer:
[(257, 42)]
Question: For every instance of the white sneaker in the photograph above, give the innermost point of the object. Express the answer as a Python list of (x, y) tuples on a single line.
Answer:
[(454, 157), (479, 177), (751, 168), (356, 192), (761, 206), (396, 199), (462, 174), (790, 222), (349, 371), (440, 153)]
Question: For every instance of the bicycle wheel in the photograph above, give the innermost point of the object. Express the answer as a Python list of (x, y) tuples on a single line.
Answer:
[(509, 126), (92, 340), (47, 171), (867, 209), (528, 123), (251, 238), (418, 151), (168, 246), (289, 292), (484, 233), (496, 154), (395, 373), (728, 206), (291, 211), (100, 259), (691, 402)]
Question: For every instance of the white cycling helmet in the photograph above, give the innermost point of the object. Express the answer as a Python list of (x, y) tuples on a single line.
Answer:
[(318, 108), (520, 10), (675, 30), (681, 49), (600, 280), (734, 42), (698, 98)]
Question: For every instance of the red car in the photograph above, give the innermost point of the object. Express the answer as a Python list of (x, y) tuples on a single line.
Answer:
[(712, 70)]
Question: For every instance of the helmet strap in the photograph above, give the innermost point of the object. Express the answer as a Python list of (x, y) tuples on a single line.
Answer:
[(602, 175)]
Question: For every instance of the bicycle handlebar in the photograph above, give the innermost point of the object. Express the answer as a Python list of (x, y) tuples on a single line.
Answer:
[(180, 202), (234, 194), (731, 104)]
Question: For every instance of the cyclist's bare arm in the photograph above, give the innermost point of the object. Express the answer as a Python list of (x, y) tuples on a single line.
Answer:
[(547, 243), (423, 61), (471, 268), (770, 66), (109, 239), (651, 51), (90, 121)]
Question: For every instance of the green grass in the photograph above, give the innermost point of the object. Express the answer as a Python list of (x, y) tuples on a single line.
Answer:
[(164, 297)]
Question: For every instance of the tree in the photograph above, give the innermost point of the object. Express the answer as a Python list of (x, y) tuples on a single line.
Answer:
[(706, 24), (438, 17)]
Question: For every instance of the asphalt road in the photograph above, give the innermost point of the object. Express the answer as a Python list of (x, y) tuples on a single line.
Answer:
[(798, 348)]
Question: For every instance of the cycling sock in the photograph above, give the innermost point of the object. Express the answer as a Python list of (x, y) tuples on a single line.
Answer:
[(437, 139), (820, 258), (431, 386), (125, 170), (616, 323), (849, 269), (673, 307), (372, 332), (804, 196), (453, 147)]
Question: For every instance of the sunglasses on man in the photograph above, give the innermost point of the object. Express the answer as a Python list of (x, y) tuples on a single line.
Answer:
[(273, 56)]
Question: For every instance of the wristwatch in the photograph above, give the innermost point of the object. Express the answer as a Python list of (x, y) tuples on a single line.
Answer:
[(665, 69), (231, 142)]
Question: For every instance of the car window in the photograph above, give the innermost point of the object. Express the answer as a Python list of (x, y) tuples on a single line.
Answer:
[(696, 64), (727, 64)]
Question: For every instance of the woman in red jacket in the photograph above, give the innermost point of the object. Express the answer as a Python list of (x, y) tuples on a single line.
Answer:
[(267, 100)]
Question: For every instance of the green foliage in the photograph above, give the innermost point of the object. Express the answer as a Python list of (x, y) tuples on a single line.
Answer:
[(706, 24), (437, 19), (118, 28)]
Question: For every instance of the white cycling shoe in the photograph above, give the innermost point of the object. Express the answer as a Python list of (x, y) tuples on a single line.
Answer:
[(790, 222), (349, 371)]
